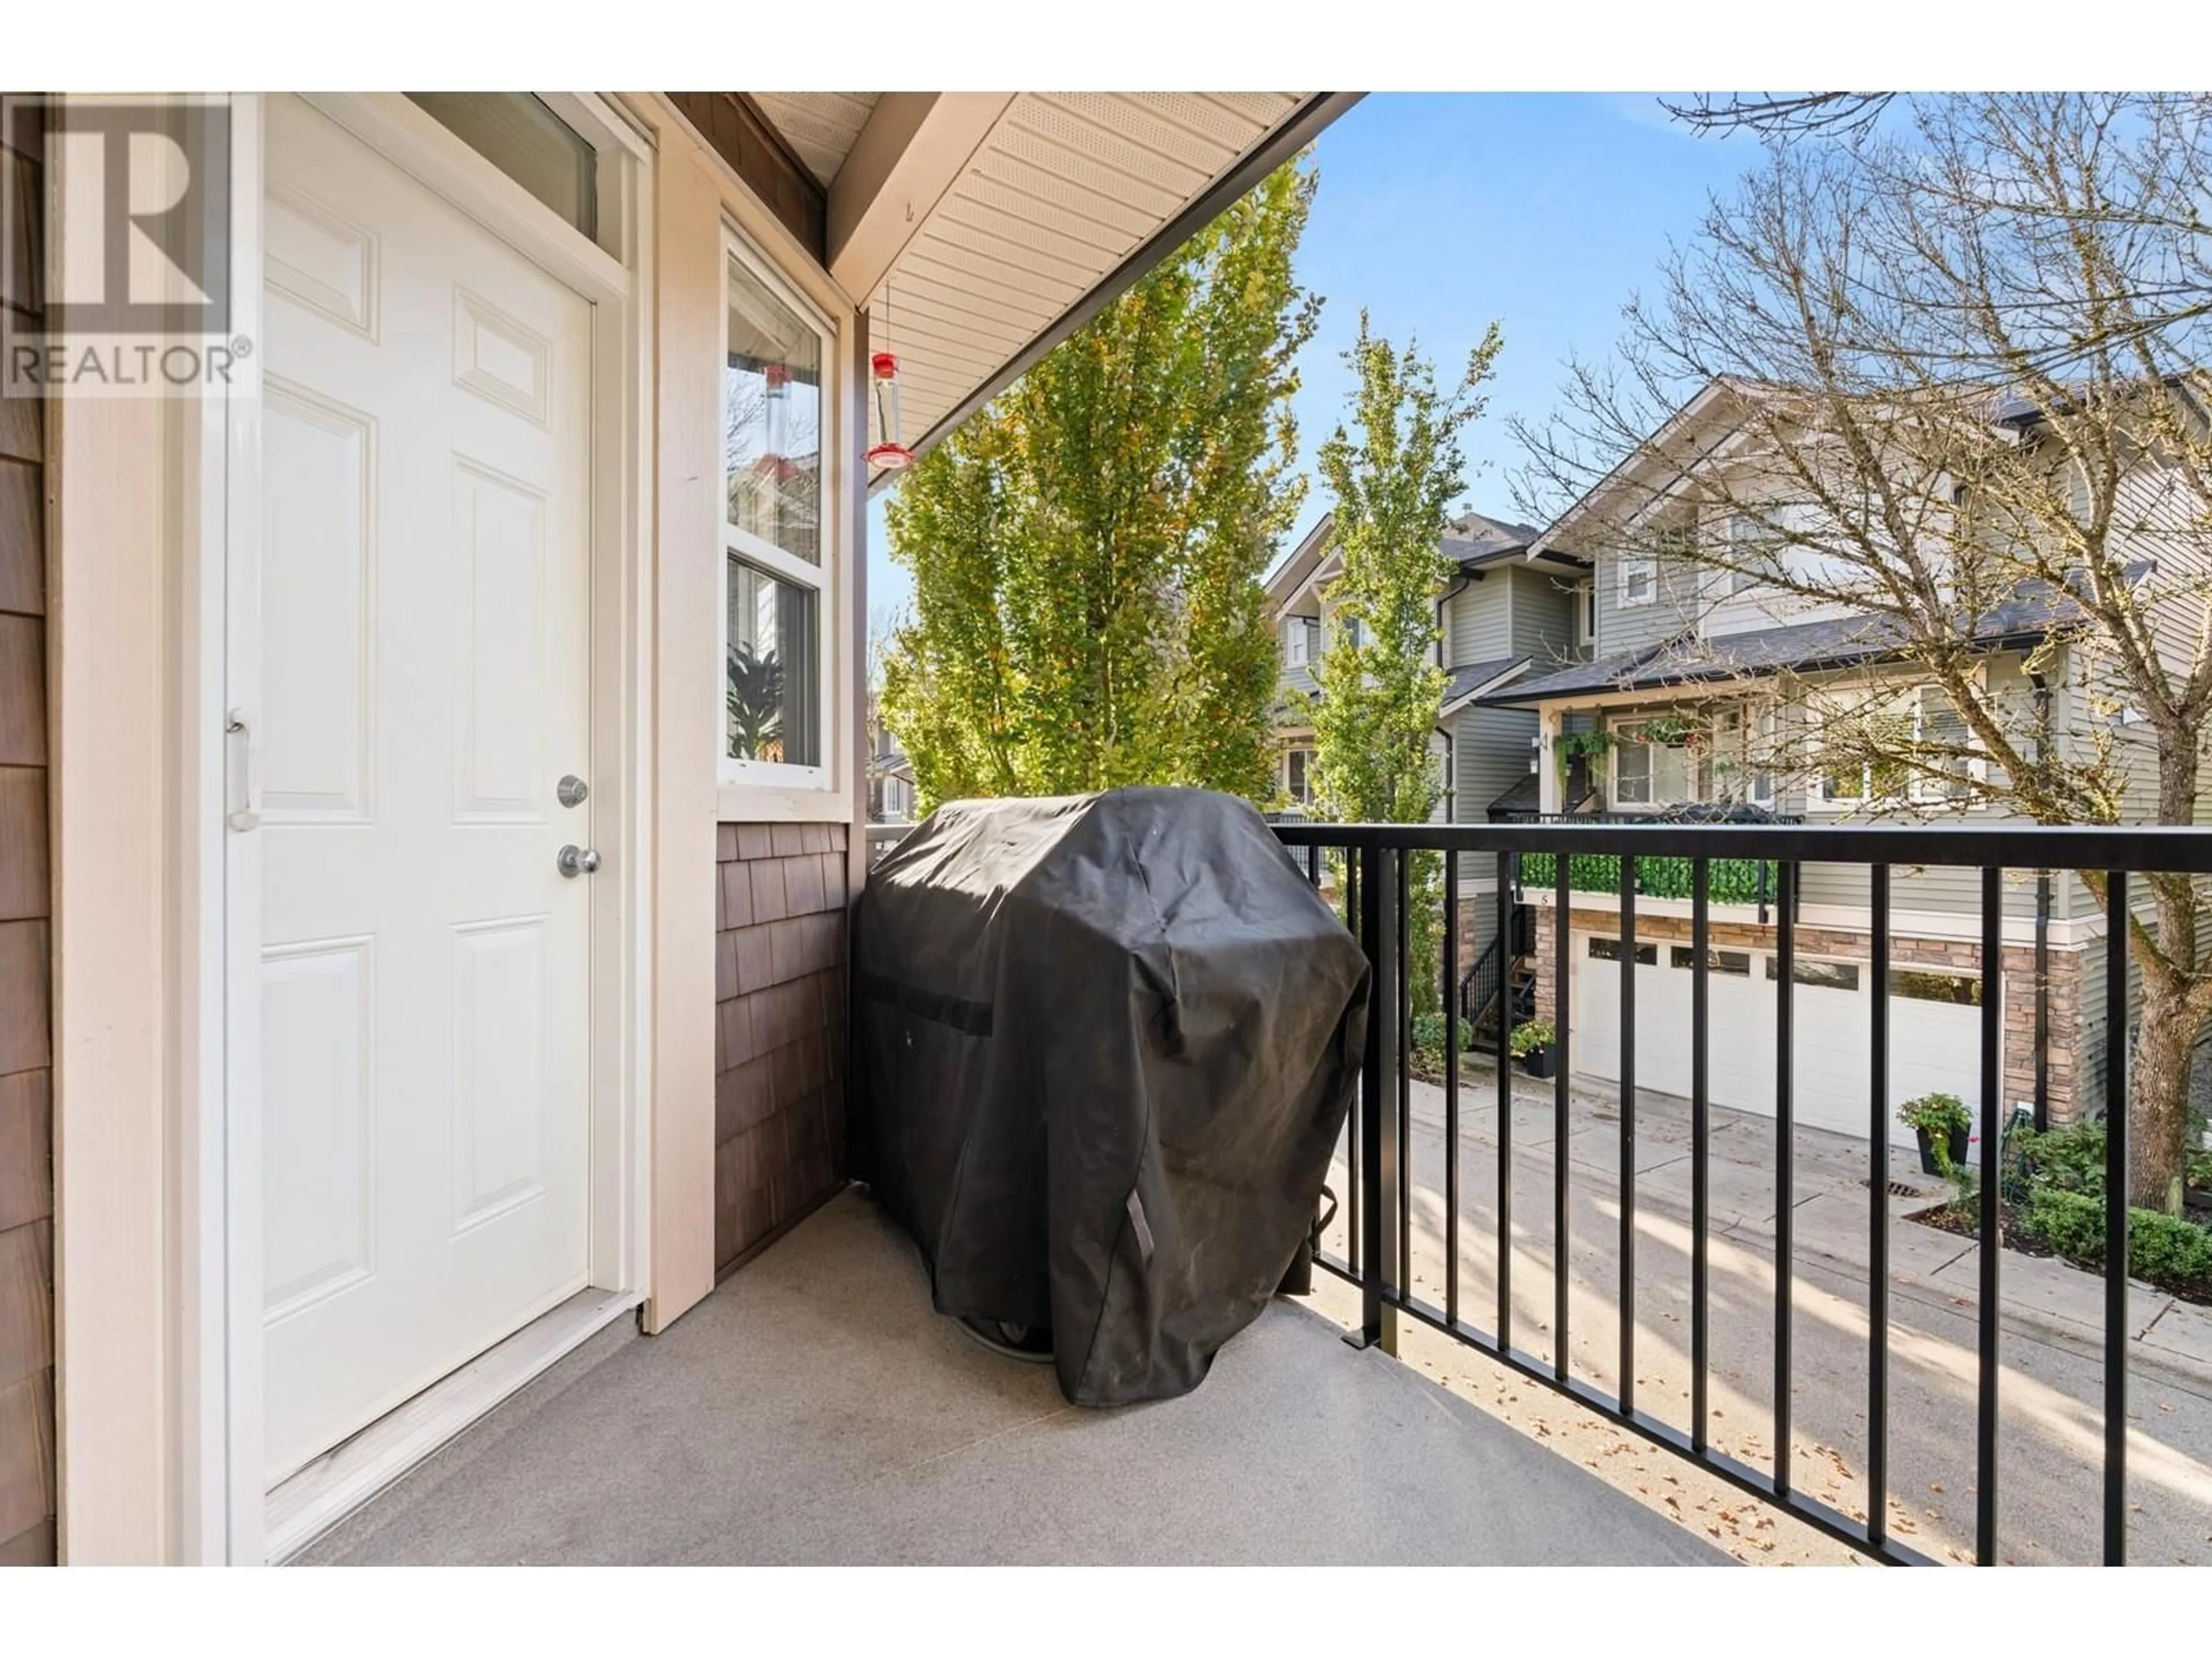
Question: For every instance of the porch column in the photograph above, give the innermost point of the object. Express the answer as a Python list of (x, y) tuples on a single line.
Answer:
[(1549, 793)]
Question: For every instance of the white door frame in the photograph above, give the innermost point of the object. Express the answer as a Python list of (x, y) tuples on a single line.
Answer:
[(219, 1506)]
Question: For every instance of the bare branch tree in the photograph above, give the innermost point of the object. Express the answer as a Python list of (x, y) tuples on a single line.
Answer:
[(1779, 115), (1944, 390)]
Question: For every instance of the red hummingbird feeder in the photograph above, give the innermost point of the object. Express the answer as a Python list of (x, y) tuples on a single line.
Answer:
[(890, 455)]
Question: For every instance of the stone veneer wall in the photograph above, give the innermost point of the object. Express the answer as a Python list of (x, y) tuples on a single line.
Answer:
[(780, 1028), (2018, 968)]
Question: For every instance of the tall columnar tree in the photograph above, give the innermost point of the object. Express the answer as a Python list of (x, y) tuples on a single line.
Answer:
[(1088, 550), (1381, 688), (1961, 343)]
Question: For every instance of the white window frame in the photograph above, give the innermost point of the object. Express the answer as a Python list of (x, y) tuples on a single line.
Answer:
[(1639, 568), (1586, 611), (1742, 530), (823, 579), (1920, 789), (1700, 788), (1296, 643), (1289, 792)]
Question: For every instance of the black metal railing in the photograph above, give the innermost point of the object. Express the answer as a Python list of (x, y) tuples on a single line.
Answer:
[(1374, 860)]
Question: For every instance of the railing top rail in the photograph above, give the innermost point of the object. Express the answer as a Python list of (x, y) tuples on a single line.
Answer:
[(2175, 848)]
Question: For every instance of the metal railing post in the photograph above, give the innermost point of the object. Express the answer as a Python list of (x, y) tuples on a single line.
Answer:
[(1377, 1176)]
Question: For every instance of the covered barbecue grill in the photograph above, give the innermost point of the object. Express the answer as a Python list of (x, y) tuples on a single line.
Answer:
[(1106, 1044)]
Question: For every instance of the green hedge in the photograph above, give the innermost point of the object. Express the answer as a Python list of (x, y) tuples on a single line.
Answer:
[(2163, 1250), (1729, 881)]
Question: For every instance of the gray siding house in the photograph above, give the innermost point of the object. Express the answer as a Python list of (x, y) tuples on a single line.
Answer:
[(1712, 693), (1506, 613)]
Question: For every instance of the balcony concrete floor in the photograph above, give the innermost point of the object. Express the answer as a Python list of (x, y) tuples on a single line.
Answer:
[(814, 1410)]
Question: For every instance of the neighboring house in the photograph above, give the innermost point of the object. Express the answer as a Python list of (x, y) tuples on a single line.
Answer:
[(446, 975), (1504, 613), (891, 773), (1708, 691)]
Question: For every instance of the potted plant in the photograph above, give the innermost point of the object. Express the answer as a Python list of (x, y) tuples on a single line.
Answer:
[(1941, 1124), (1531, 1044)]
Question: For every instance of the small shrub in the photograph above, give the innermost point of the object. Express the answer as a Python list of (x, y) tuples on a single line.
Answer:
[(2070, 1160), (2162, 1250), (1529, 1036), (1428, 1035), (1938, 1114)]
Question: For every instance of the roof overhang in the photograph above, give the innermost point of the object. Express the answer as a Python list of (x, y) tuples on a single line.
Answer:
[(979, 230), (1711, 403), (1483, 687)]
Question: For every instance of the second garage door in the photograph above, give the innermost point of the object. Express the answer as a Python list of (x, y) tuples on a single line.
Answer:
[(1935, 1031)]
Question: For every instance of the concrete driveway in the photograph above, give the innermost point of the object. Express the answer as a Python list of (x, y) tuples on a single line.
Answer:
[(2050, 1483)]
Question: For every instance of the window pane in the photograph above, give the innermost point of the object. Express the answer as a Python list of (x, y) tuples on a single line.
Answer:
[(1631, 772), (1937, 988), (1829, 975), (772, 420), (1608, 950), (521, 136), (1718, 961), (774, 674)]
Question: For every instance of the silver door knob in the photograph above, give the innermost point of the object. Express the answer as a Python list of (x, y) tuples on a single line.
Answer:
[(572, 862)]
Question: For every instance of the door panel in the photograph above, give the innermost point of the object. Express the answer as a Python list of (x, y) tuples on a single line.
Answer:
[(1932, 1046), (424, 653)]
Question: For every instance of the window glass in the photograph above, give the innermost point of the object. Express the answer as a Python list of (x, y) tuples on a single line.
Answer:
[(1639, 579), (774, 678), (1743, 552), (1294, 773), (772, 420), (519, 133), (1632, 773), (1297, 636), (1958, 989), (1829, 975), (1718, 961), (1608, 950)]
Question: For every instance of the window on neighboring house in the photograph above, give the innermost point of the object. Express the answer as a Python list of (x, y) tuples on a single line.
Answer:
[(1829, 975), (1912, 746), (1685, 759), (1608, 950), (1744, 554), (1719, 961), (1640, 578), (776, 689), (1296, 640), (1297, 764), (1586, 611)]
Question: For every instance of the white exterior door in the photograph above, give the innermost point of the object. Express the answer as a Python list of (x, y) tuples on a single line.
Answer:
[(1934, 1044), (423, 649)]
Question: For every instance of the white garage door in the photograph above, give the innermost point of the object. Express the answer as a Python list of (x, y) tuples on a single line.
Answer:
[(1934, 1030)]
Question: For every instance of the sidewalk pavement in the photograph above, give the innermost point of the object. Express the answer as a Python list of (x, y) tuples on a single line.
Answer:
[(2041, 1296)]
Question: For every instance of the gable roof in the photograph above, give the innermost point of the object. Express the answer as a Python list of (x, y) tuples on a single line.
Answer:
[(1471, 681), (2030, 616)]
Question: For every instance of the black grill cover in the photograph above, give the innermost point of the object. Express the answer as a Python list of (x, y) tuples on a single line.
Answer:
[(1106, 1044)]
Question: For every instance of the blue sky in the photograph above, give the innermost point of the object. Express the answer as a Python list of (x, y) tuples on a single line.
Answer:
[(1439, 212)]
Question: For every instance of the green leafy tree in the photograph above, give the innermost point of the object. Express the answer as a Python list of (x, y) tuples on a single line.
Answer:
[(1381, 690), (1088, 550)]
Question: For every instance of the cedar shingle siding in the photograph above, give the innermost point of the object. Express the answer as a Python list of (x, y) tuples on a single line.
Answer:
[(26, 1188), (778, 1029), (756, 151)]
